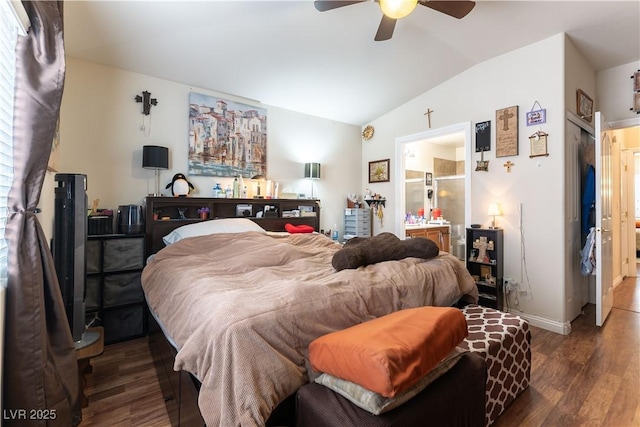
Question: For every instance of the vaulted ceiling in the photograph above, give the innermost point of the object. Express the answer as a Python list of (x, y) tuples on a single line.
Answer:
[(289, 55)]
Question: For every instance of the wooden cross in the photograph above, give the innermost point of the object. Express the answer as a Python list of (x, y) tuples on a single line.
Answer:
[(508, 165), (505, 116), (428, 114)]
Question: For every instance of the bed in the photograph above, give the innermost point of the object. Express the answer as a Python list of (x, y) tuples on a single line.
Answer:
[(242, 307)]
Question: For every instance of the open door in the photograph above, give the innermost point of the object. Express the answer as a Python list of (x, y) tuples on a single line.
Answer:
[(604, 244)]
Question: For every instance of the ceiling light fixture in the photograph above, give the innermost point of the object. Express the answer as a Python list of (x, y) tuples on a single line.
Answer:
[(397, 9)]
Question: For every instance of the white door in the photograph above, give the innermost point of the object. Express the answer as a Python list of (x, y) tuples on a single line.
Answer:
[(604, 244), (627, 215)]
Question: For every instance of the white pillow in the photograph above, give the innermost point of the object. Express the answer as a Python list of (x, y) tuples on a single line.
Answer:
[(225, 225)]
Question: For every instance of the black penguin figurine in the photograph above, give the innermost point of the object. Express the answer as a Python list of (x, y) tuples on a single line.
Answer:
[(180, 187)]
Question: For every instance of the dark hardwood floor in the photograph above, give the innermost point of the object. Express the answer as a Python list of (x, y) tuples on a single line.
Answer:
[(123, 388), (588, 378)]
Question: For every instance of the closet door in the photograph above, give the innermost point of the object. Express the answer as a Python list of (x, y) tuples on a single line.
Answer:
[(604, 221)]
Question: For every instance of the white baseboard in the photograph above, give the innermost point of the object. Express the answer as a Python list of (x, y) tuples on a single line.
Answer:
[(563, 328)]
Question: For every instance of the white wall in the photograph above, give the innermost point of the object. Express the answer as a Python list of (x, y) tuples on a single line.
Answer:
[(100, 137), (521, 77), (615, 91)]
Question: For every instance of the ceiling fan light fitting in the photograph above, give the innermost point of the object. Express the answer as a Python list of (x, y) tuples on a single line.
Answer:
[(397, 9)]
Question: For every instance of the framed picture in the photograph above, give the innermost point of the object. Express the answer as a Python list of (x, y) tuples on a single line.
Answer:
[(379, 171), (636, 102), (636, 81), (584, 106), (428, 178)]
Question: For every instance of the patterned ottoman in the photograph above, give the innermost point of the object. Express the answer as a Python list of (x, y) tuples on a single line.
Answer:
[(504, 340)]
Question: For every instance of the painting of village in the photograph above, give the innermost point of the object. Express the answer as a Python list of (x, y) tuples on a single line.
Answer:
[(226, 138)]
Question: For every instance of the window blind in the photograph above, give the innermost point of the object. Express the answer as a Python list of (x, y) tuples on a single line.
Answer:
[(8, 38)]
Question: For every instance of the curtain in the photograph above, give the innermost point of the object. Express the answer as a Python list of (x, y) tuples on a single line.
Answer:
[(40, 366)]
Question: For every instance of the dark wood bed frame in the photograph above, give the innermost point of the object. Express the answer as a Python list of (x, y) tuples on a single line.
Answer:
[(180, 389)]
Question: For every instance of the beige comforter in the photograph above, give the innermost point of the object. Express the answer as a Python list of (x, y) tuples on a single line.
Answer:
[(243, 308)]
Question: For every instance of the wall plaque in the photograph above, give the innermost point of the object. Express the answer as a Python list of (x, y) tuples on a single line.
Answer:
[(483, 136), (507, 132)]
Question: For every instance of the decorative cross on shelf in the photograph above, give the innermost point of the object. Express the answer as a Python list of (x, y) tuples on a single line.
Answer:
[(508, 165)]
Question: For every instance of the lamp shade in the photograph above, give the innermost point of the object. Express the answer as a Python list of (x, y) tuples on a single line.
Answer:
[(494, 210), (312, 170), (155, 157)]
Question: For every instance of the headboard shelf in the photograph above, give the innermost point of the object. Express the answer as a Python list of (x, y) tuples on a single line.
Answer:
[(173, 212)]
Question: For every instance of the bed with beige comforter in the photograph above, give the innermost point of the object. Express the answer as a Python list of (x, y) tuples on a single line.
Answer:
[(242, 309)]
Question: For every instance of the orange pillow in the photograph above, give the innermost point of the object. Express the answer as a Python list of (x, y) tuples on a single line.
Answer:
[(390, 354)]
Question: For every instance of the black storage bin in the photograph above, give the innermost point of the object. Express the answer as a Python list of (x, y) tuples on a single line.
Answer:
[(120, 289), (123, 323)]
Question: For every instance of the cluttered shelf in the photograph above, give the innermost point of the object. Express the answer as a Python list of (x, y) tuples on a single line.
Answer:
[(164, 214)]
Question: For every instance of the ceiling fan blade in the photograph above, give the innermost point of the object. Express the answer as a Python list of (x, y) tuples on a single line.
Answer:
[(324, 5), (457, 9), (385, 29)]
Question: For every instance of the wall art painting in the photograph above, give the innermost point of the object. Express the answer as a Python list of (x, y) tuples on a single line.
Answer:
[(379, 171), (226, 138)]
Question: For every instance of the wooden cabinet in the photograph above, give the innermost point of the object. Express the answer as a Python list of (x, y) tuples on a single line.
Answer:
[(485, 254), (439, 234), (114, 297), (270, 214)]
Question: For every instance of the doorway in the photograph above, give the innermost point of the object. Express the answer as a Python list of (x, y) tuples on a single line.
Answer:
[(627, 134), (416, 152)]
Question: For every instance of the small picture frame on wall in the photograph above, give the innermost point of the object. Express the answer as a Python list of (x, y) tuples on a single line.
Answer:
[(584, 106), (379, 171), (428, 178)]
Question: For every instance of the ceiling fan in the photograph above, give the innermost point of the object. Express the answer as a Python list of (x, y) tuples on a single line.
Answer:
[(395, 9)]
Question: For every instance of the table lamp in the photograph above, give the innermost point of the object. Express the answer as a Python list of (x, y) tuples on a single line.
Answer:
[(494, 210), (155, 157), (312, 172)]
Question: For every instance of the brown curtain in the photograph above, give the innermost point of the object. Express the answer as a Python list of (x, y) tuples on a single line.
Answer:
[(40, 367)]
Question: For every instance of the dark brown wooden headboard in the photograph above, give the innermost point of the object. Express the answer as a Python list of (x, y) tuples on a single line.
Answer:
[(174, 212)]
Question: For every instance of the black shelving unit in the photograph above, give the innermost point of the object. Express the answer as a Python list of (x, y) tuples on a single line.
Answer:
[(114, 297), (484, 260)]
